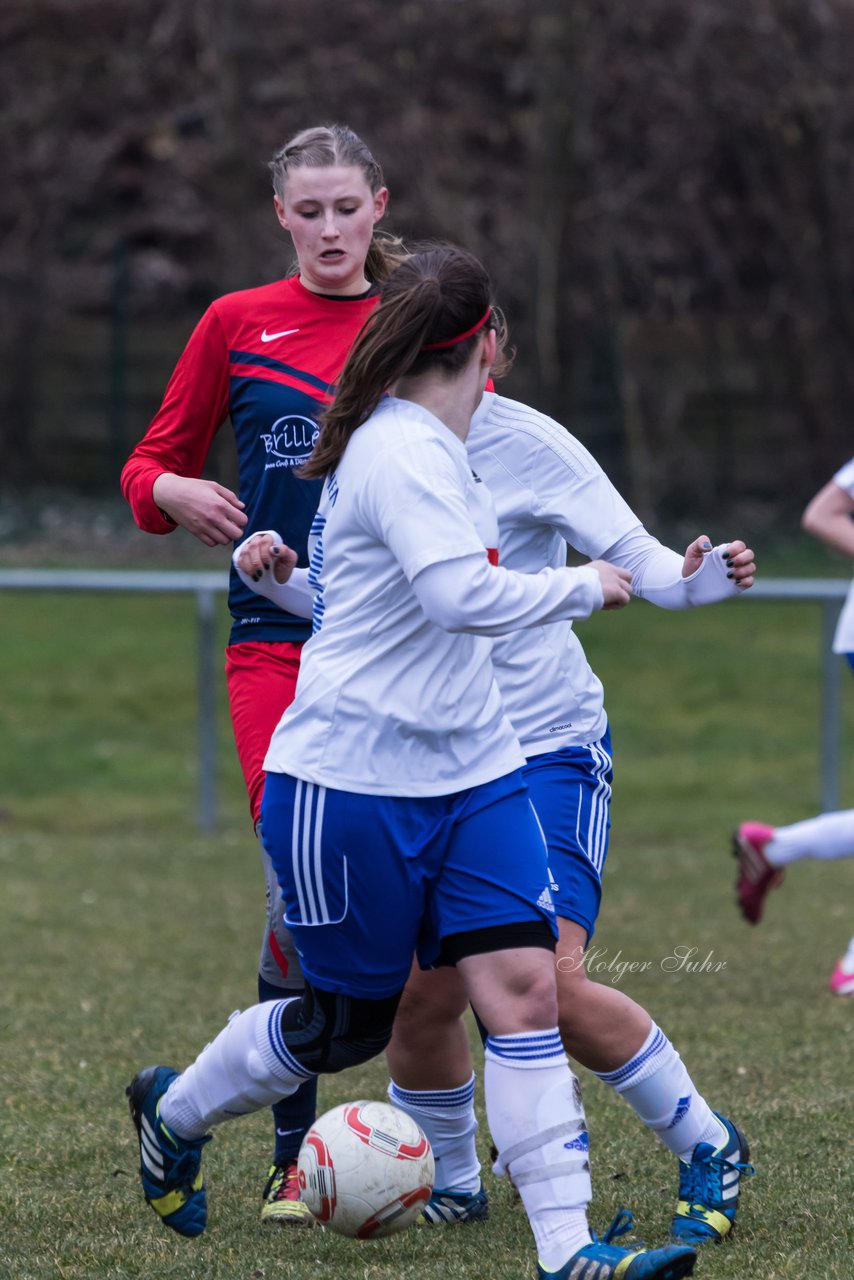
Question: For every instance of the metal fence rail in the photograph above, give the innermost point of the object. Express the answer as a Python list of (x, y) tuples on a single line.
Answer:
[(205, 586), (829, 593)]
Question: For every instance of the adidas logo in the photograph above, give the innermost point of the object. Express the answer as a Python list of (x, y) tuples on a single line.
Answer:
[(581, 1143), (683, 1106), (149, 1149), (545, 903), (591, 1269)]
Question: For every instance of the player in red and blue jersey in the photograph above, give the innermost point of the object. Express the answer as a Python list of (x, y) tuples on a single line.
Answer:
[(268, 359)]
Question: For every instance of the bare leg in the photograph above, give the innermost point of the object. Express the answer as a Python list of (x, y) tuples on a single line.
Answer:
[(429, 1047), (601, 1027), (432, 1080), (607, 1032)]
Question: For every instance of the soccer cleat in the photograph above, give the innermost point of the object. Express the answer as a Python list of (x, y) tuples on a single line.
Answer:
[(602, 1260), (709, 1188), (169, 1166), (282, 1203), (841, 981), (756, 876), (446, 1208)]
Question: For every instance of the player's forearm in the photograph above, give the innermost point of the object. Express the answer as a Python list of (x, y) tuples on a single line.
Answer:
[(657, 573), (836, 531), (474, 596), (294, 596)]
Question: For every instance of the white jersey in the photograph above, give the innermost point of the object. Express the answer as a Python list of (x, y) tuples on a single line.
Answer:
[(548, 491), (387, 701), (843, 640)]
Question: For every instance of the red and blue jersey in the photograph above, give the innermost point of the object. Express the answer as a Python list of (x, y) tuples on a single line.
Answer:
[(269, 359)]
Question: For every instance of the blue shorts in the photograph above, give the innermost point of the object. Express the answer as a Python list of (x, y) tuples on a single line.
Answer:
[(571, 792), (369, 880)]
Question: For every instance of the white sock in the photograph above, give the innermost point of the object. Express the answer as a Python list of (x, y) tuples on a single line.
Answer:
[(533, 1103), (447, 1117), (847, 961), (245, 1068), (829, 836), (655, 1083)]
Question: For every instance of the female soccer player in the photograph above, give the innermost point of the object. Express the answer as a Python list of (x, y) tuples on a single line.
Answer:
[(763, 852), (268, 359), (393, 809), (548, 491)]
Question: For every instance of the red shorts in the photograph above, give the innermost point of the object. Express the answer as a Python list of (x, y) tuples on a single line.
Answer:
[(261, 677)]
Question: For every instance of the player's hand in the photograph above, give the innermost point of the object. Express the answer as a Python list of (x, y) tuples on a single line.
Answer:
[(737, 557), (208, 510), (616, 584), (261, 552)]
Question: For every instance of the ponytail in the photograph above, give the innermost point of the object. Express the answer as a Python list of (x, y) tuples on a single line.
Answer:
[(432, 310), (385, 254)]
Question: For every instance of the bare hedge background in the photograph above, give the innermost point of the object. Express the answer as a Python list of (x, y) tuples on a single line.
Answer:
[(662, 191)]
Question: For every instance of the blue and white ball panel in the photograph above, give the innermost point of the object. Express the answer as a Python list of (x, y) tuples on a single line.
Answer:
[(368, 880), (571, 792)]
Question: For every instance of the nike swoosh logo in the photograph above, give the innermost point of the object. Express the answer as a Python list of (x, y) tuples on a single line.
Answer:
[(271, 337)]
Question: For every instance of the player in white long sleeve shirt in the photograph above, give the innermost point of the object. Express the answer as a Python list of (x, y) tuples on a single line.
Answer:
[(549, 492), (405, 597), (431, 844), (762, 851)]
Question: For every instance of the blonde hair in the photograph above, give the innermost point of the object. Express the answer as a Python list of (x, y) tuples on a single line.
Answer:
[(322, 147)]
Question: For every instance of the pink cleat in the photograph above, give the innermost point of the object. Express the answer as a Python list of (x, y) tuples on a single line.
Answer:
[(756, 876), (841, 981)]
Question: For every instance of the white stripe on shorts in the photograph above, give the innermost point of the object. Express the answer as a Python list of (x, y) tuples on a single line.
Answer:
[(597, 822), (306, 852)]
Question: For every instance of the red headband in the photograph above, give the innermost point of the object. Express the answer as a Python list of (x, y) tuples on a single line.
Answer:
[(461, 337)]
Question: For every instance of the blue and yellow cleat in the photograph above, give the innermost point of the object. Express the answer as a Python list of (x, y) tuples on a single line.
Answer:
[(169, 1166), (447, 1208), (602, 1260), (709, 1188)]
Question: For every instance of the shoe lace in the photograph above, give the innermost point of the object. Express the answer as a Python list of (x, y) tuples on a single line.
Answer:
[(624, 1221), (284, 1181), (702, 1180), (183, 1171)]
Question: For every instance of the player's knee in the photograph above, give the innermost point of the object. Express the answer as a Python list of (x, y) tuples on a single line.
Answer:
[(327, 1032), (431, 999), (523, 989), (538, 998)]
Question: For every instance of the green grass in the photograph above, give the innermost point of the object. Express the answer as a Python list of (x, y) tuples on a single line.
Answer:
[(126, 938)]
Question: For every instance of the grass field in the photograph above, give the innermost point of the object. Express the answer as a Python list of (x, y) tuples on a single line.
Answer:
[(126, 938)]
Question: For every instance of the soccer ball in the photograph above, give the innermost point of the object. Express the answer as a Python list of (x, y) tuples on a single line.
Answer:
[(365, 1170)]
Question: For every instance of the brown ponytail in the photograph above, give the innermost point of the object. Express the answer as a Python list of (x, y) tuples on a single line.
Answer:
[(431, 298)]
